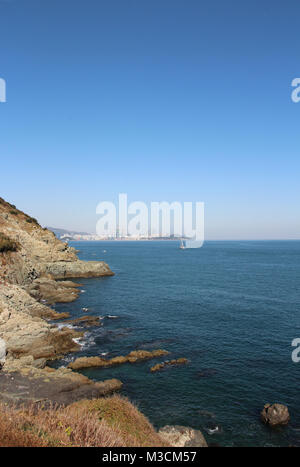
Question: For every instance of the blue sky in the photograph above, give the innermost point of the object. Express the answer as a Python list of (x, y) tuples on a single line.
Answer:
[(169, 100)]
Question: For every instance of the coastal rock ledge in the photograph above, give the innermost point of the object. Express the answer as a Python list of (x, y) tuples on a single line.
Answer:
[(76, 269)]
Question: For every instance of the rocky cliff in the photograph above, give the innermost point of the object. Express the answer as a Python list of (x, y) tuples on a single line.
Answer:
[(31, 261)]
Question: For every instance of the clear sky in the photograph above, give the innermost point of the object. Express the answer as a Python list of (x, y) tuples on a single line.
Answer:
[(175, 100)]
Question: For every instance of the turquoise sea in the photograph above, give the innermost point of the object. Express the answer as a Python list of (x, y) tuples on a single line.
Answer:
[(231, 308)]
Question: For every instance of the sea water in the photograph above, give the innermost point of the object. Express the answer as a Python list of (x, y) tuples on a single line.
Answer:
[(231, 308)]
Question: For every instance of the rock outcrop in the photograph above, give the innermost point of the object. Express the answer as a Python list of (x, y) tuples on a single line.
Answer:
[(24, 330), (182, 436), (47, 289), (132, 357), (275, 414)]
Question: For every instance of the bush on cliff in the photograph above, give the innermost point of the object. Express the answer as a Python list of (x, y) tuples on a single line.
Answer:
[(6, 244), (106, 422), (122, 416)]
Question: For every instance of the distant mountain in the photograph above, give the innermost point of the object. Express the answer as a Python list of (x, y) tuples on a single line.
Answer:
[(65, 233)]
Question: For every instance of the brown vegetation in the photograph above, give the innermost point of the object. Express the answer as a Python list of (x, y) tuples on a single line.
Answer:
[(106, 422), (124, 418)]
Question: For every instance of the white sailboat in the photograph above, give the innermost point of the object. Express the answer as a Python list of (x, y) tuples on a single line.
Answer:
[(182, 244)]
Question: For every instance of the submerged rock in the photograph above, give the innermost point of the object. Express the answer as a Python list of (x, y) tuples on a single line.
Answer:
[(182, 436), (206, 373), (160, 366), (275, 414), (132, 357)]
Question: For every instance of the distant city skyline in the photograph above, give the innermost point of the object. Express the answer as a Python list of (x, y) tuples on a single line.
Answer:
[(187, 101)]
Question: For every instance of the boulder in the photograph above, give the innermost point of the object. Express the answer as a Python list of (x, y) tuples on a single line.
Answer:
[(182, 436), (275, 414)]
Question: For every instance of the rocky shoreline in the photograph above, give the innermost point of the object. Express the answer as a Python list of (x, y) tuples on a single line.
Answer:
[(35, 269)]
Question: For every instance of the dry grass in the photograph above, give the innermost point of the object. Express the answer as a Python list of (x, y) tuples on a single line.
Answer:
[(125, 418), (106, 422)]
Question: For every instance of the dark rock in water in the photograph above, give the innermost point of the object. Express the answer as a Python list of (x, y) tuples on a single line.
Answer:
[(275, 414), (182, 436), (206, 373), (160, 366), (118, 333)]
